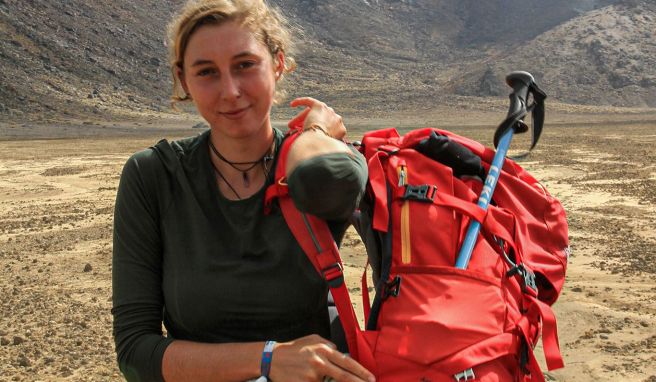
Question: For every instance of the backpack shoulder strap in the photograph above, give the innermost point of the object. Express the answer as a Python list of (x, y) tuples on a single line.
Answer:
[(316, 240)]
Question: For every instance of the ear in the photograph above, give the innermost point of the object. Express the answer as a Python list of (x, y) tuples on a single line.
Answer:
[(183, 81), (279, 64)]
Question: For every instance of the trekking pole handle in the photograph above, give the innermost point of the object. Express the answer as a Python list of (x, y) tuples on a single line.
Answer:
[(521, 82)]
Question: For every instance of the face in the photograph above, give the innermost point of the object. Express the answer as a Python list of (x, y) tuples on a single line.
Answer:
[(231, 77)]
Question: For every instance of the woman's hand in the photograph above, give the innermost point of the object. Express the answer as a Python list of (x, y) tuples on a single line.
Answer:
[(318, 113), (312, 358)]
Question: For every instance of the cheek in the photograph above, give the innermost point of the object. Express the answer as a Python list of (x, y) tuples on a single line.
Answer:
[(203, 92), (270, 89), (263, 82)]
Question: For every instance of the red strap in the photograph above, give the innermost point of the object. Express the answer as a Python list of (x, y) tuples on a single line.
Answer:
[(486, 217), (550, 343), (314, 237), (277, 190), (533, 366), (379, 188), (493, 226), (446, 200), (539, 311)]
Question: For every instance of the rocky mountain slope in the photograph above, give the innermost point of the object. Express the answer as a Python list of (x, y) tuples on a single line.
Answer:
[(607, 56), (78, 57), (75, 58)]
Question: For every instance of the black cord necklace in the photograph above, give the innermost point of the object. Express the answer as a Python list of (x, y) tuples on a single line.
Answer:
[(268, 156), (216, 170)]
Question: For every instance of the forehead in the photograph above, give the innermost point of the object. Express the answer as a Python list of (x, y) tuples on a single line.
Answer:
[(223, 42)]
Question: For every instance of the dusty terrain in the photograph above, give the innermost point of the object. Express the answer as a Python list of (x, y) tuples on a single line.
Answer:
[(56, 201)]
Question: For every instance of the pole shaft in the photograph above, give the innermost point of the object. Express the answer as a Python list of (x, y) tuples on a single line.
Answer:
[(484, 199)]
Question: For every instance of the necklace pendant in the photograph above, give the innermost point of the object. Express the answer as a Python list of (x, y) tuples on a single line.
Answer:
[(247, 182)]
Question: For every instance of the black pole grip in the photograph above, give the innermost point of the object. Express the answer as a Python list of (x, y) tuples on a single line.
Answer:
[(523, 85), (520, 82)]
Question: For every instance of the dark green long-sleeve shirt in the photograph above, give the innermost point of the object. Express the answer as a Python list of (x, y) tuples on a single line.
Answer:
[(211, 269)]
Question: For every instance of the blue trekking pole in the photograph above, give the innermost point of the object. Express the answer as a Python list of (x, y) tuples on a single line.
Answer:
[(523, 85)]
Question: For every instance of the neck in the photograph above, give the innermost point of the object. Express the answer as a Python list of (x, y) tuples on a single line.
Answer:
[(239, 161), (243, 149)]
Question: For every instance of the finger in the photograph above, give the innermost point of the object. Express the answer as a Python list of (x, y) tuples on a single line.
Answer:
[(315, 338), (335, 373), (350, 366), (304, 101), (331, 345), (299, 118)]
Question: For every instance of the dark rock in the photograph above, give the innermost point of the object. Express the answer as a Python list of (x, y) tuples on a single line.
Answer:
[(88, 268), (489, 84), (200, 125), (18, 340), (24, 361), (619, 81)]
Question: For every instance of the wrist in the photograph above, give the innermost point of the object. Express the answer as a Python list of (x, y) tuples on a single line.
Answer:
[(316, 127), (265, 363)]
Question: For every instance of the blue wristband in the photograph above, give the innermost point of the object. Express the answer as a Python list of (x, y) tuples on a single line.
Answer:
[(267, 354)]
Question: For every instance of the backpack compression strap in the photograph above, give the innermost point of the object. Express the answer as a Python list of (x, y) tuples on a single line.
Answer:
[(314, 237)]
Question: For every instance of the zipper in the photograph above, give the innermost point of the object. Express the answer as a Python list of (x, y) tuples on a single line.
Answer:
[(406, 249)]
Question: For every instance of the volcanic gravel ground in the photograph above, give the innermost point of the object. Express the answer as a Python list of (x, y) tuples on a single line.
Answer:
[(56, 204)]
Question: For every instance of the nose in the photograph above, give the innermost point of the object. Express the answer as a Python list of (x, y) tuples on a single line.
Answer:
[(230, 90)]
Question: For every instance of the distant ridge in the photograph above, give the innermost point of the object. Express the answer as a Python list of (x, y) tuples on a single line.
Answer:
[(76, 58)]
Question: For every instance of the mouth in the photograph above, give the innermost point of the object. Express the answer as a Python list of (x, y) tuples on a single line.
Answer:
[(234, 113)]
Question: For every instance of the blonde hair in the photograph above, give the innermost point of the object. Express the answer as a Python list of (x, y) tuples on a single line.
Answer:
[(267, 23)]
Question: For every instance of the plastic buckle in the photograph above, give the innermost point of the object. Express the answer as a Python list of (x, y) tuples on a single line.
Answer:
[(422, 193), (333, 274), (527, 276), (467, 375), (392, 288)]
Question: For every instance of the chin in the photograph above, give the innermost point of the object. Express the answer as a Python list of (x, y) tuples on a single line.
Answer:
[(238, 129)]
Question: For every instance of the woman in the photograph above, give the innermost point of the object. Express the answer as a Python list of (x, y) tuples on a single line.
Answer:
[(192, 246)]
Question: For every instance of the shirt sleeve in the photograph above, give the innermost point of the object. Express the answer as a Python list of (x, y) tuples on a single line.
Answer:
[(137, 275), (329, 186)]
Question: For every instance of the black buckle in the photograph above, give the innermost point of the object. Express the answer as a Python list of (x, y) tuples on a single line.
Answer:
[(422, 193), (392, 288), (391, 150), (527, 276), (333, 274)]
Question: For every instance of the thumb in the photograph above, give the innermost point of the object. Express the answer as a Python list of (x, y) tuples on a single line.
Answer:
[(297, 122)]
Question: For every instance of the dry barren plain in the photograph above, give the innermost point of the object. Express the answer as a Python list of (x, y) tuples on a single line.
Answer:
[(56, 204)]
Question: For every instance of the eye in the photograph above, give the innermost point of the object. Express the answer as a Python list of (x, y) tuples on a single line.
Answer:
[(246, 64), (205, 72)]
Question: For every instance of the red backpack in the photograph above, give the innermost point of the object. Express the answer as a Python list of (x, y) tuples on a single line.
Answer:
[(430, 321)]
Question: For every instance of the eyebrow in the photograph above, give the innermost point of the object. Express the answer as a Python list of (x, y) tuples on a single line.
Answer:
[(200, 62)]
